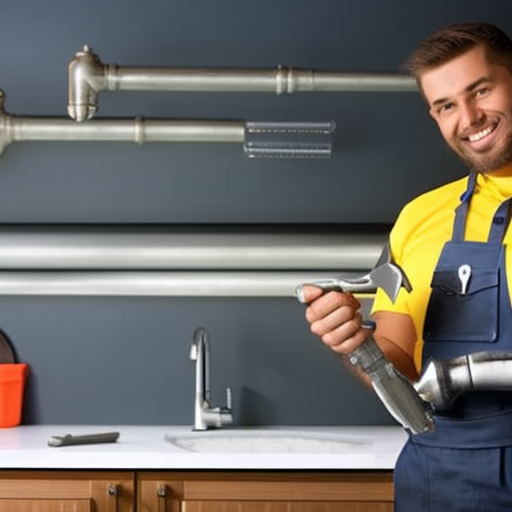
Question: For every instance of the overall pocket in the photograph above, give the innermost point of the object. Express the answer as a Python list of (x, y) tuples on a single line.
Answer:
[(458, 312)]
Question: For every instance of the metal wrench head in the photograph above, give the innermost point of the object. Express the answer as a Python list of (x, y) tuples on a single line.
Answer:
[(387, 276), (390, 278)]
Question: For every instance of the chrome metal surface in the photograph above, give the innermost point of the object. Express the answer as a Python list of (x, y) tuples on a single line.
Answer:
[(88, 76), (137, 248), (206, 416), (139, 131), (395, 391), (288, 139), (152, 284), (443, 381), (176, 261), (386, 276)]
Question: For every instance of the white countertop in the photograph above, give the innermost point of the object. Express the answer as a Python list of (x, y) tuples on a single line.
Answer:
[(147, 447)]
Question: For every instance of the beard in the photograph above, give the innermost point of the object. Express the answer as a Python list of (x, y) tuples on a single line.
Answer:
[(485, 162)]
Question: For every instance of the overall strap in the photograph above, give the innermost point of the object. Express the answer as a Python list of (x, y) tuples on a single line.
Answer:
[(500, 222), (461, 212)]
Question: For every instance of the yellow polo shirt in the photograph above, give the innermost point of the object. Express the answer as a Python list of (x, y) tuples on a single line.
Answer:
[(420, 232)]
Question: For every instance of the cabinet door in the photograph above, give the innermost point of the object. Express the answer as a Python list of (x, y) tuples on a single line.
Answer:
[(264, 492), (66, 491), (28, 505), (159, 492)]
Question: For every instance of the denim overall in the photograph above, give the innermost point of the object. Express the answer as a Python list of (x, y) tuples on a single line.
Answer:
[(466, 464)]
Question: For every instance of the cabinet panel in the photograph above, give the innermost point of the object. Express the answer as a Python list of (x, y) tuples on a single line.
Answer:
[(191, 491), (276, 506), (43, 491), (155, 493), (264, 492), (28, 505)]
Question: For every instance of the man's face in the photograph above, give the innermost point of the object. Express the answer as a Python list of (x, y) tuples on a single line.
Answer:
[(470, 98)]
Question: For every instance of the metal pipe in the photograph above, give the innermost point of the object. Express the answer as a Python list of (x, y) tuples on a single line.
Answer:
[(284, 140), (445, 380), (88, 76), (138, 130), (176, 261), (154, 284), (139, 248)]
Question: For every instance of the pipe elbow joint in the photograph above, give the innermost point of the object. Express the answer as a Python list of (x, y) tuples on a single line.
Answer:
[(86, 77)]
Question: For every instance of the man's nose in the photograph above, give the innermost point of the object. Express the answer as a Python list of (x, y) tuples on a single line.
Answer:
[(470, 114)]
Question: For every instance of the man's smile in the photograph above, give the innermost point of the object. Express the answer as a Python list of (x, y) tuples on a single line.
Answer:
[(475, 137), (483, 139)]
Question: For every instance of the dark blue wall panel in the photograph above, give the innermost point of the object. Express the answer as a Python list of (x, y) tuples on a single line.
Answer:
[(112, 360)]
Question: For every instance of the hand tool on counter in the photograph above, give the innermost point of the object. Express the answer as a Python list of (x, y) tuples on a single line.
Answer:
[(396, 392), (70, 440)]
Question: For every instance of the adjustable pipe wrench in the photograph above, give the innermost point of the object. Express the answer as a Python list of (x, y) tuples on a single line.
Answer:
[(394, 390)]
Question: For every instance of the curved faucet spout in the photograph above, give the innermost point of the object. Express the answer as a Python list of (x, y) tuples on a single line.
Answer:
[(200, 353), (206, 416)]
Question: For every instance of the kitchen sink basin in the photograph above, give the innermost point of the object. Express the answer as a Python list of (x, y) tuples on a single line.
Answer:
[(225, 442)]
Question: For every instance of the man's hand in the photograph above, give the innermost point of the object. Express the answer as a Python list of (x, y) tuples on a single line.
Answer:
[(335, 318)]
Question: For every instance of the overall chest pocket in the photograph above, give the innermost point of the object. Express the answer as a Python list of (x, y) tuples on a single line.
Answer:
[(463, 309)]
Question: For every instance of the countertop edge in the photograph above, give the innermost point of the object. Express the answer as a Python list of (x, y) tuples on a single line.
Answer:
[(145, 448)]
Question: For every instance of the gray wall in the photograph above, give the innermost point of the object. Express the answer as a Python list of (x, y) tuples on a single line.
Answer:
[(114, 360)]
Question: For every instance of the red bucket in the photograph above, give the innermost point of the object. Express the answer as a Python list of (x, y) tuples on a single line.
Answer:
[(12, 387)]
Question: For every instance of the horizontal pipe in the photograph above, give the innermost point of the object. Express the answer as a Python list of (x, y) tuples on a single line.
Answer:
[(279, 81), (360, 82), (88, 76), (137, 130), (168, 249), (156, 284), (268, 139)]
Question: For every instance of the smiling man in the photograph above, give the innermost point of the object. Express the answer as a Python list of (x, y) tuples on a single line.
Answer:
[(453, 243), (470, 99)]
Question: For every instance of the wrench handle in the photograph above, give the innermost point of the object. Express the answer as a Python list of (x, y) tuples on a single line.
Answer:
[(360, 285), (395, 391)]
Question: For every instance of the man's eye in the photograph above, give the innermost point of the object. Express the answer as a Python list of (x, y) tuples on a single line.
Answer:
[(481, 92), (445, 108)]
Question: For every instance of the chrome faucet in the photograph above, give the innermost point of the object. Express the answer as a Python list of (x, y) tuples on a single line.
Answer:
[(206, 416)]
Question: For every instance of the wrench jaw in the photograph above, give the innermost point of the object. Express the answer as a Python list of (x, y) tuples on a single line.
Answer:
[(390, 278), (387, 276)]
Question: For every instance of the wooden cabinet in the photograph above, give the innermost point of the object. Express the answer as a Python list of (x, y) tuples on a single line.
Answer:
[(195, 491), (264, 492), (66, 491)]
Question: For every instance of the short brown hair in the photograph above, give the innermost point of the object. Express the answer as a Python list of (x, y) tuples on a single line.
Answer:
[(454, 40)]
